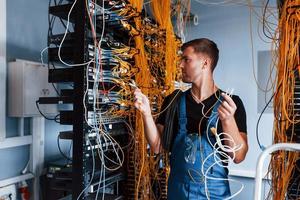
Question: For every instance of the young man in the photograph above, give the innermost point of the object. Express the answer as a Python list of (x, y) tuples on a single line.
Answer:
[(200, 116)]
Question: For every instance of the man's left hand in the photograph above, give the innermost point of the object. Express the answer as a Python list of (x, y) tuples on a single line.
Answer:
[(227, 108)]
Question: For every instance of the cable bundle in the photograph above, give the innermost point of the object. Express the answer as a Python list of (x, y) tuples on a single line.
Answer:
[(286, 116), (156, 60)]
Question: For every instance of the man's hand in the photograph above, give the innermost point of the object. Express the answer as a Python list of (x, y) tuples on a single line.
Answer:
[(227, 108), (152, 132), (141, 102), (235, 137)]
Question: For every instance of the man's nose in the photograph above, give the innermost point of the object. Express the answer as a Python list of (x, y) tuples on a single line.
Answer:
[(181, 64)]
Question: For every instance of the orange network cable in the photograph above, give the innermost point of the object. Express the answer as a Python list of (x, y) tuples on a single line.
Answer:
[(154, 71), (162, 13), (286, 117), (156, 62), (141, 173)]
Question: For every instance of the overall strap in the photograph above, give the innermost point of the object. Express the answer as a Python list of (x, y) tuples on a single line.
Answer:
[(182, 120)]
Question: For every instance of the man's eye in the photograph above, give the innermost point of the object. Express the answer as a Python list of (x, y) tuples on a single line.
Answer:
[(186, 60)]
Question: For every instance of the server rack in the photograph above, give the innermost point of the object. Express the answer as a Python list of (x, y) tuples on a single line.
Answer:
[(75, 52), (74, 47)]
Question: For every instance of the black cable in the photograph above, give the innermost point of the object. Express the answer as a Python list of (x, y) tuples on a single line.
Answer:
[(38, 107), (262, 112), (257, 124), (57, 119), (61, 152), (280, 120), (56, 90)]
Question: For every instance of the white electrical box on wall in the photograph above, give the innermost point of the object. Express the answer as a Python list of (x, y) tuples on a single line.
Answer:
[(8, 192), (27, 81)]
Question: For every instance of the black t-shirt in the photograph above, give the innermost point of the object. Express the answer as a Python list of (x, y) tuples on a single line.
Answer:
[(195, 113)]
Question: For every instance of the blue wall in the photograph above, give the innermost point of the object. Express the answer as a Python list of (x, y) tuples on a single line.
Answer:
[(227, 25), (27, 26)]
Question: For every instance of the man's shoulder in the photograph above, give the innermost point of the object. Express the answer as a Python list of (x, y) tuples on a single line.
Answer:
[(175, 94), (237, 99)]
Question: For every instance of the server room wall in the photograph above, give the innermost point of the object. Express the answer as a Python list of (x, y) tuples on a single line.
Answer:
[(26, 37), (27, 25)]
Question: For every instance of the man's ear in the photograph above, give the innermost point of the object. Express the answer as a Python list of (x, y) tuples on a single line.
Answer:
[(205, 64)]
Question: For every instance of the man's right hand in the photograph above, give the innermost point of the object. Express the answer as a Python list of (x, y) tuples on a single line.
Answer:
[(152, 131), (141, 102)]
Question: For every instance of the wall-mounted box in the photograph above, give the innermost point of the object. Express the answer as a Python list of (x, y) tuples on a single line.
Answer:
[(3, 98), (27, 81), (8, 192)]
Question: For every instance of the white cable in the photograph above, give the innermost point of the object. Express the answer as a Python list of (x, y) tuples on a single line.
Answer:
[(93, 169), (148, 2), (102, 172), (105, 142), (103, 138), (223, 147), (220, 2), (84, 96), (219, 149), (63, 39), (103, 27), (220, 179), (114, 144), (42, 53), (219, 162)]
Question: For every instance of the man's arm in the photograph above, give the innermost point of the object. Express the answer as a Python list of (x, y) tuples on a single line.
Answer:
[(152, 131), (226, 114)]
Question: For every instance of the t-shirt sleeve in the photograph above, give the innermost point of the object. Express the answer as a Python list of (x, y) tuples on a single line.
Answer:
[(240, 115)]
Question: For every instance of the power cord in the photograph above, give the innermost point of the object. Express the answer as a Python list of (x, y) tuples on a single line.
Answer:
[(38, 107), (61, 152)]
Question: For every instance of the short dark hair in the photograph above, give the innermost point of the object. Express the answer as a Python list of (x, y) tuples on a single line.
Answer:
[(206, 46)]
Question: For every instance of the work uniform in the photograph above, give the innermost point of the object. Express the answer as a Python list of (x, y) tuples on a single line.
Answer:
[(192, 153)]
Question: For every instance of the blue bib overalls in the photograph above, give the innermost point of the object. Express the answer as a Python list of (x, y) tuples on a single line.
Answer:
[(186, 180)]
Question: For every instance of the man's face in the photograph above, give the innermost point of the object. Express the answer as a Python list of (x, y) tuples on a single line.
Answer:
[(191, 65)]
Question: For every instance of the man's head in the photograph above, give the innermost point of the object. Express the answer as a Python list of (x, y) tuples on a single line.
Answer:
[(206, 47)]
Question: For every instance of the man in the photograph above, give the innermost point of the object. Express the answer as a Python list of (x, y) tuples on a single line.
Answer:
[(202, 115)]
